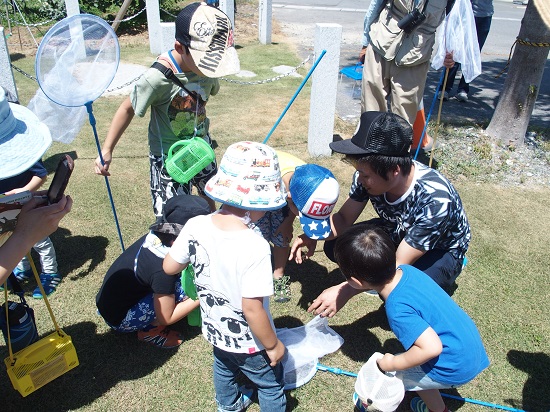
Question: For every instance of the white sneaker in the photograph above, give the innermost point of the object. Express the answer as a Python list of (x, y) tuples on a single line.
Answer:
[(462, 96), (445, 96)]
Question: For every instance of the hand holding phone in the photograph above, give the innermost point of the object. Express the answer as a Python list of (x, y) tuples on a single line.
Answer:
[(60, 179)]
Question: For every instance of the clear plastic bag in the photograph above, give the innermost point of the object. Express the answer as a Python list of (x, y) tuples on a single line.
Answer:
[(458, 34)]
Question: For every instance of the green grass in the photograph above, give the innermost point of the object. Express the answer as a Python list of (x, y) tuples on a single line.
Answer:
[(504, 288)]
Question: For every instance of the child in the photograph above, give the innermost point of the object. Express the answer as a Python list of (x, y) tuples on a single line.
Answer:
[(203, 51), (312, 193), (136, 294), (31, 179), (443, 346), (234, 279)]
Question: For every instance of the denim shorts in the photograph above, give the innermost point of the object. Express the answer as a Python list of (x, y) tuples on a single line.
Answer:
[(415, 379)]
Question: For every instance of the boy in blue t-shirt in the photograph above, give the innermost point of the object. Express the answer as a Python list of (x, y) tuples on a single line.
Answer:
[(443, 348)]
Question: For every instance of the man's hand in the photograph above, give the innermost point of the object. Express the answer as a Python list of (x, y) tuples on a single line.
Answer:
[(362, 54), (332, 299), (448, 62), (296, 248)]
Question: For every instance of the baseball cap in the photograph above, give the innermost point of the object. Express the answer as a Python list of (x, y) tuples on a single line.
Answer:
[(379, 133), (249, 177), (314, 191), (177, 211), (377, 390), (23, 138), (208, 34)]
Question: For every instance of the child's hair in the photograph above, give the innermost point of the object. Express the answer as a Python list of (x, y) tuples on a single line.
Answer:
[(367, 253), (381, 164)]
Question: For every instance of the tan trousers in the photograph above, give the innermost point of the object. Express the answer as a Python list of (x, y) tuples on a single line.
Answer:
[(382, 79)]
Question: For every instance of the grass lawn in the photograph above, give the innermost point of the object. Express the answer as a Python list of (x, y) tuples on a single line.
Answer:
[(504, 287)]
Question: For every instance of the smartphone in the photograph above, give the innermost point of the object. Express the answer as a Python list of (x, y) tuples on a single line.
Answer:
[(60, 179)]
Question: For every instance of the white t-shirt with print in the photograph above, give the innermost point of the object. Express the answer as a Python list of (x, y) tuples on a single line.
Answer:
[(229, 266)]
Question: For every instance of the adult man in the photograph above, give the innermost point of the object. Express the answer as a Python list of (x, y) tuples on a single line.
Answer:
[(398, 42), (418, 207)]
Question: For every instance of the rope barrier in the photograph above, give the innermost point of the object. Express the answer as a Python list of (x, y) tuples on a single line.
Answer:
[(523, 43)]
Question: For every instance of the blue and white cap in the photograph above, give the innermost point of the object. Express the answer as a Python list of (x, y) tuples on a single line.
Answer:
[(314, 191)]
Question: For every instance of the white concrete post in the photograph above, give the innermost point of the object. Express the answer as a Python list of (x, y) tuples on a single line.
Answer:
[(72, 7), (323, 89), (228, 7), (6, 74), (264, 24), (154, 27)]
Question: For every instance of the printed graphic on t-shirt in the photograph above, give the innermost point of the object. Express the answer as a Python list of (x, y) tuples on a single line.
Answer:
[(184, 111), (430, 217), (224, 325)]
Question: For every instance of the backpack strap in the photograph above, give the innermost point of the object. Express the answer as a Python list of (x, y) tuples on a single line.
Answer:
[(169, 74)]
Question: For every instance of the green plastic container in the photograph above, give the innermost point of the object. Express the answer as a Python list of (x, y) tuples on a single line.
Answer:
[(186, 158), (188, 284)]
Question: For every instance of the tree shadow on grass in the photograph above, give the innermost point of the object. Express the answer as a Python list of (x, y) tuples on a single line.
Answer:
[(536, 391), (105, 360)]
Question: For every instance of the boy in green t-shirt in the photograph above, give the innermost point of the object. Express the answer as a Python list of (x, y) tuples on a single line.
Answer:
[(203, 51)]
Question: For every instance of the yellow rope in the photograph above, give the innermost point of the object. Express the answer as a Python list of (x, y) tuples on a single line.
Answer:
[(523, 43)]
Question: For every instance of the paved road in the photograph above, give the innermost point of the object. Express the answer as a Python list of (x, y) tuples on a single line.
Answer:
[(298, 19)]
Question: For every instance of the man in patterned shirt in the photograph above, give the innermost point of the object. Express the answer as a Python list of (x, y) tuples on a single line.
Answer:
[(418, 207)]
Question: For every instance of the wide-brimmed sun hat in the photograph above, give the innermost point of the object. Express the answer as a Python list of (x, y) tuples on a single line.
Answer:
[(23, 138), (208, 34), (314, 191), (379, 133), (249, 177)]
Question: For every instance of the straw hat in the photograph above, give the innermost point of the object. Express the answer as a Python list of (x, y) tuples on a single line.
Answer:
[(23, 138)]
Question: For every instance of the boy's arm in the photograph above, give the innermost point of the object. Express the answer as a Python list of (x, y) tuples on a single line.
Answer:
[(171, 267), (426, 347), (122, 119), (168, 312), (33, 185), (259, 324)]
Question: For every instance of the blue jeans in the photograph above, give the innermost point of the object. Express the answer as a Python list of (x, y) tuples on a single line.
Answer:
[(483, 25), (268, 380)]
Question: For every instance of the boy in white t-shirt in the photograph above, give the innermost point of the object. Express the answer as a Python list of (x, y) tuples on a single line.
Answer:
[(233, 276)]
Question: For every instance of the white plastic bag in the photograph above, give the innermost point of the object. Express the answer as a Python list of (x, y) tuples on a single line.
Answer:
[(305, 345), (458, 35)]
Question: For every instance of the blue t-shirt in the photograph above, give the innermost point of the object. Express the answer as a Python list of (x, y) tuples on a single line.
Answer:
[(15, 182), (415, 304)]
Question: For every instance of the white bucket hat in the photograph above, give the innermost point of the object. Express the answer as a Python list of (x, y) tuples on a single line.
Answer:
[(249, 177), (23, 138), (377, 390)]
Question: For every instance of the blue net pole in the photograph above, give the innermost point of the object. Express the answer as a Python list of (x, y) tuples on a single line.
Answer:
[(295, 95), (92, 123)]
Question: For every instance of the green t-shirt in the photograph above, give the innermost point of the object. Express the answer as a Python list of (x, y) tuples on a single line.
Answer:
[(173, 111)]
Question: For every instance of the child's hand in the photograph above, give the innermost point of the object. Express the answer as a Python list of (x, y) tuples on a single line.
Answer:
[(14, 191), (296, 248), (385, 364), (276, 353)]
